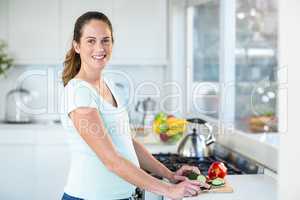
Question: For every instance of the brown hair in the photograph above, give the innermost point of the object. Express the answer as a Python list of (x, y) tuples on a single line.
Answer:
[(72, 61)]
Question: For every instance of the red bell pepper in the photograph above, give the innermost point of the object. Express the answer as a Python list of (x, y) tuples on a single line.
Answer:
[(217, 169)]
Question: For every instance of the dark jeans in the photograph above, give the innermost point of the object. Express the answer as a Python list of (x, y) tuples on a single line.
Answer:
[(68, 197)]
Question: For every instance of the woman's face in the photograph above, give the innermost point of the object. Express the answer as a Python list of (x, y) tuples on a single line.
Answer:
[(95, 46)]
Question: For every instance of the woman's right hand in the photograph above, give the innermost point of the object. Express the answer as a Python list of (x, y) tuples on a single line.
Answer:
[(186, 188)]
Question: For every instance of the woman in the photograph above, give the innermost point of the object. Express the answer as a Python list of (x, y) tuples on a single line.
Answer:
[(106, 163)]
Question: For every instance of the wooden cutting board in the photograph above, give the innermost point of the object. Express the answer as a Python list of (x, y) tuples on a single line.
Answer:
[(223, 189)]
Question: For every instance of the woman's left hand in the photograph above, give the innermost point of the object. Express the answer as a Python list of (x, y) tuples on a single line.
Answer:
[(178, 175)]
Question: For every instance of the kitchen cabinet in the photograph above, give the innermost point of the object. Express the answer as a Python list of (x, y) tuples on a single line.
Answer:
[(140, 31), (40, 32), (34, 162), (17, 174), (3, 20), (139, 28), (17, 165), (33, 28), (52, 164)]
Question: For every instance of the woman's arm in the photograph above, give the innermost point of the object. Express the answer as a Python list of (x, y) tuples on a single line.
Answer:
[(151, 164), (91, 128)]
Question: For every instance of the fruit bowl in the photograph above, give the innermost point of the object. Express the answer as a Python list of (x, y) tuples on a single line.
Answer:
[(262, 124), (168, 128), (163, 137)]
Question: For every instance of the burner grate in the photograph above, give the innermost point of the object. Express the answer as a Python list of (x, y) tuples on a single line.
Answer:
[(174, 162)]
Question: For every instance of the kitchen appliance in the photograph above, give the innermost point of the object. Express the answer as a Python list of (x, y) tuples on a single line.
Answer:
[(16, 102), (236, 163), (147, 108), (195, 144), (174, 161)]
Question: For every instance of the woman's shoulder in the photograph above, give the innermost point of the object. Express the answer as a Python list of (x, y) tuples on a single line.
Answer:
[(80, 87), (75, 83)]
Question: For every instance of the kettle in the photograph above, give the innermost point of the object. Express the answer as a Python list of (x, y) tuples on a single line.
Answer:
[(15, 100), (195, 144)]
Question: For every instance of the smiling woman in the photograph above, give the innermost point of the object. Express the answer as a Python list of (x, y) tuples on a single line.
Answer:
[(106, 162), (85, 40)]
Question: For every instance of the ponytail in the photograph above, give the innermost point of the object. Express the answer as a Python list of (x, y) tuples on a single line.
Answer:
[(71, 66)]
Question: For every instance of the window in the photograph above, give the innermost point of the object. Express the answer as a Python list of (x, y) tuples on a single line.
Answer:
[(203, 57), (253, 57), (256, 65)]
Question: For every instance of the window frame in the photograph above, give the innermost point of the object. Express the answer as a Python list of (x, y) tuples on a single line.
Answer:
[(226, 84)]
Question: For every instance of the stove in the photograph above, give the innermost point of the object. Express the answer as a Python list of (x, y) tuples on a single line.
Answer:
[(174, 162)]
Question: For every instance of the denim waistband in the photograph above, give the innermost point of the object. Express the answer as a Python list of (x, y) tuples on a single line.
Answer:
[(68, 197)]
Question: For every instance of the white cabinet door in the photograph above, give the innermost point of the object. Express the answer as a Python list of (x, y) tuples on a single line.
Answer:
[(34, 31), (40, 32), (17, 171), (140, 31), (34, 163), (52, 164), (71, 10), (17, 166), (3, 20)]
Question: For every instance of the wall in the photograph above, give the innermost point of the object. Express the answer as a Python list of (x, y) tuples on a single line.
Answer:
[(176, 72), (289, 41)]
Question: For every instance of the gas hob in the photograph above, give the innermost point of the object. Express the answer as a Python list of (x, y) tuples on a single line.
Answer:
[(174, 162)]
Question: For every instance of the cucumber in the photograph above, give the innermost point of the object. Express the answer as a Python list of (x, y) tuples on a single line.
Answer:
[(218, 182), (201, 178), (192, 175)]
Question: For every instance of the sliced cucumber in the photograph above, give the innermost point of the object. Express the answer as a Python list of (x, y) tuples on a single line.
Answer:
[(218, 182), (201, 178), (192, 175)]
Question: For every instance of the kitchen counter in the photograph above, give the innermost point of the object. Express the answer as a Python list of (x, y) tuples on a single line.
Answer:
[(265, 151), (246, 187), (41, 124), (154, 145), (42, 132)]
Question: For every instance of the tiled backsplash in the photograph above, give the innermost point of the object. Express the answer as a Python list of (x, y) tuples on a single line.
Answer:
[(45, 84)]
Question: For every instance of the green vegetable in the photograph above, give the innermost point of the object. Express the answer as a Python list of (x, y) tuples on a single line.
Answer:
[(191, 175), (201, 178), (218, 182)]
